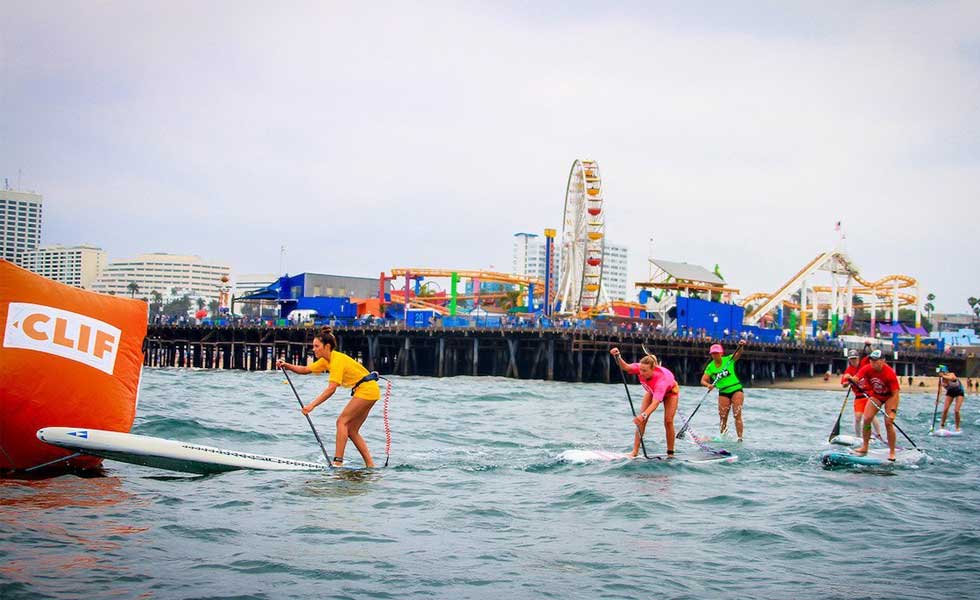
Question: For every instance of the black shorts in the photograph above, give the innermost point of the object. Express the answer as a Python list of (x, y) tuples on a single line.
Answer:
[(729, 393), (955, 392)]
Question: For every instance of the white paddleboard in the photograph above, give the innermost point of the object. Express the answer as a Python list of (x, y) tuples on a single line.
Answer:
[(876, 456), (854, 441), (587, 456), (945, 433), (165, 454)]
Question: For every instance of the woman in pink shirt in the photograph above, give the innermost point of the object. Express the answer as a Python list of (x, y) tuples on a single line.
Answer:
[(660, 387)]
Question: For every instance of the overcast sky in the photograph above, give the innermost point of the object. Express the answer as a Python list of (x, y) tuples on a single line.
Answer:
[(426, 134)]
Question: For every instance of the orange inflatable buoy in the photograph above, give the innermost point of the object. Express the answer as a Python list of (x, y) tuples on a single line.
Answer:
[(68, 358)]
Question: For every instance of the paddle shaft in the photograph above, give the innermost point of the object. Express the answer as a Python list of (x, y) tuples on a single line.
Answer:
[(308, 419), (633, 410), (879, 407), (836, 430), (699, 443), (935, 411), (687, 422)]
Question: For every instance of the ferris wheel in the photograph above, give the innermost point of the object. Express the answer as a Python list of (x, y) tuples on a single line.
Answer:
[(582, 240)]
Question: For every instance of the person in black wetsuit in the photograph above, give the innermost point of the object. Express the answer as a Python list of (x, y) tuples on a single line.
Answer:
[(954, 393)]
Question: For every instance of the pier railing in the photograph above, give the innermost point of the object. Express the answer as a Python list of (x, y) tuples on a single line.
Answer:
[(560, 354)]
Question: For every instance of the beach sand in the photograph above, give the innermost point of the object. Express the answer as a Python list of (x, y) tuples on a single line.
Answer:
[(818, 383)]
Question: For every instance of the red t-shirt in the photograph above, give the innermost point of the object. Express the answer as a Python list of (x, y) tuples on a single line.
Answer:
[(878, 384), (852, 370)]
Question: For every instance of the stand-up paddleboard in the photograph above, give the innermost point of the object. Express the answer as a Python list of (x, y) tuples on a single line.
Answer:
[(854, 441), (945, 433), (877, 456), (165, 454), (587, 456)]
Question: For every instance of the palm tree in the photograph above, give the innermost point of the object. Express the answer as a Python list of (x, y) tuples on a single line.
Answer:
[(929, 306), (157, 305), (133, 288), (201, 303)]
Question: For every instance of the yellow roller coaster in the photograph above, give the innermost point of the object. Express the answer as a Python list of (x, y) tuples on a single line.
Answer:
[(837, 298)]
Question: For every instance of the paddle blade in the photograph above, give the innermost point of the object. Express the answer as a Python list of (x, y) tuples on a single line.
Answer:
[(836, 430)]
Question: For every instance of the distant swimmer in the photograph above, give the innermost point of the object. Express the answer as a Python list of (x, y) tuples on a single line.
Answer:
[(954, 393), (721, 370), (880, 383), (660, 387), (348, 373), (854, 364)]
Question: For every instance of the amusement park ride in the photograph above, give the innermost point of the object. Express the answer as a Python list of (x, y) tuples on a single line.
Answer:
[(582, 241), (838, 299), (579, 292), (448, 305)]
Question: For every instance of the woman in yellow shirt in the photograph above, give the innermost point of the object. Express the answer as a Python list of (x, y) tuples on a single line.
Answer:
[(344, 372)]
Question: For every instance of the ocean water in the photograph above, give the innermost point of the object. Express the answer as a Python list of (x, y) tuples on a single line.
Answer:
[(476, 503)]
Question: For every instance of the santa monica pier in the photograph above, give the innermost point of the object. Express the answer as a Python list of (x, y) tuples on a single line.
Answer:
[(552, 317)]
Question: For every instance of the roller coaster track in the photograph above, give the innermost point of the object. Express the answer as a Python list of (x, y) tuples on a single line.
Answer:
[(836, 262), (481, 275)]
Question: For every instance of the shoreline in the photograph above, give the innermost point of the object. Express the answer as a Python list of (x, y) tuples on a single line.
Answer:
[(817, 383)]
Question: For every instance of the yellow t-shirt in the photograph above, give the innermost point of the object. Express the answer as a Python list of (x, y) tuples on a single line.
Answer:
[(346, 372)]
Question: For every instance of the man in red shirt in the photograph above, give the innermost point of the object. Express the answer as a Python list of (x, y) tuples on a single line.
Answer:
[(880, 383)]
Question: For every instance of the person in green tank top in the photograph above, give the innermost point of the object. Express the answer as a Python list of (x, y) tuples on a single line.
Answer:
[(720, 373)]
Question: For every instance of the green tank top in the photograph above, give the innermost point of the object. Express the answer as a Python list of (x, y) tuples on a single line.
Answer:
[(727, 379)]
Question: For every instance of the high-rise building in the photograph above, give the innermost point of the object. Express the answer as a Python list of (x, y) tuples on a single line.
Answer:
[(161, 272), (529, 256), (529, 259), (614, 271), (20, 223), (79, 266)]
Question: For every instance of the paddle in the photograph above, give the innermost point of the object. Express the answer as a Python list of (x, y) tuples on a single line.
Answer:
[(687, 422), (700, 444), (939, 390), (633, 410), (836, 430), (308, 419)]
